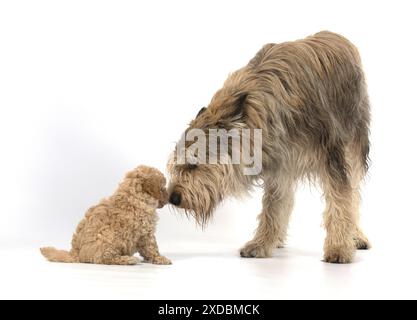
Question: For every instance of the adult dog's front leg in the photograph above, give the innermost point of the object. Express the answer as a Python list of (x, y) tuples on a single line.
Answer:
[(278, 202)]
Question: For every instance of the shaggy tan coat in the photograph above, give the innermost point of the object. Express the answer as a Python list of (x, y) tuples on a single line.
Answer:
[(310, 99)]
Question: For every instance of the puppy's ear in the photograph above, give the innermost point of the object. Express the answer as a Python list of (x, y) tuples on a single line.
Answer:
[(201, 112), (154, 185)]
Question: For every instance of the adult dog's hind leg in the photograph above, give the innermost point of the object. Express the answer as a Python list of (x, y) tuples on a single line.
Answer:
[(356, 174), (278, 203), (339, 216)]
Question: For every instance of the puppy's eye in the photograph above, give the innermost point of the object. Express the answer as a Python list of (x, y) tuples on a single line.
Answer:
[(191, 166)]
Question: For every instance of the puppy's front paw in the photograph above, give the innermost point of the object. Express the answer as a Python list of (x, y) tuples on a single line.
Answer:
[(131, 261), (255, 250), (339, 254), (161, 260)]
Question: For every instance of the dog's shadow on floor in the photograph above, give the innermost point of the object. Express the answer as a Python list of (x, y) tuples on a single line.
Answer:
[(283, 262), (278, 254), (96, 269), (281, 255)]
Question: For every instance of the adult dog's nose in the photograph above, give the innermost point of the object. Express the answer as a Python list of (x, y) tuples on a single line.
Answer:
[(175, 198)]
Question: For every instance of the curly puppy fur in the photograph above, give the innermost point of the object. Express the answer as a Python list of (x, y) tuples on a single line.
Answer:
[(121, 225), (310, 99)]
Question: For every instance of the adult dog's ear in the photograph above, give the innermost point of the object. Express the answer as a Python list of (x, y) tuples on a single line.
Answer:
[(239, 106), (201, 112)]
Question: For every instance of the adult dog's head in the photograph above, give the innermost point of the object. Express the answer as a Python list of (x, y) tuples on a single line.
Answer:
[(206, 165)]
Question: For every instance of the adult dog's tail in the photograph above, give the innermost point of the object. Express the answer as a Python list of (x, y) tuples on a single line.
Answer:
[(55, 255)]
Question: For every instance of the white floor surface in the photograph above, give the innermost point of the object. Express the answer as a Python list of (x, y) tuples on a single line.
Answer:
[(215, 271)]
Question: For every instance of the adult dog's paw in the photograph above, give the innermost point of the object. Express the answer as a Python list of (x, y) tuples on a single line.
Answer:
[(255, 250), (339, 254), (362, 242)]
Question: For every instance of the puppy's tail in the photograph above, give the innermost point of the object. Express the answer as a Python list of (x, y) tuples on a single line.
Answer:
[(55, 255)]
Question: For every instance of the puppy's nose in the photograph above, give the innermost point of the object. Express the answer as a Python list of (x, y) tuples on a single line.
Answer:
[(175, 198)]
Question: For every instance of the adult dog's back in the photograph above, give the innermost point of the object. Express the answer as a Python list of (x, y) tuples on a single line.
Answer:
[(319, 90)]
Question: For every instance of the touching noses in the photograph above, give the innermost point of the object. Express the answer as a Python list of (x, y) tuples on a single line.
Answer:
[(175, 198)]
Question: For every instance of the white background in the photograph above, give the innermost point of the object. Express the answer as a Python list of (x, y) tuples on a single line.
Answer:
[(91, 89)]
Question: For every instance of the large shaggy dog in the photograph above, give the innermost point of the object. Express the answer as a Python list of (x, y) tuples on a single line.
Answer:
[(309, 97), (121, 225)]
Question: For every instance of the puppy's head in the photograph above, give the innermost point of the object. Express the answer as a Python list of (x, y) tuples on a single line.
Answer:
[(151, 181)]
